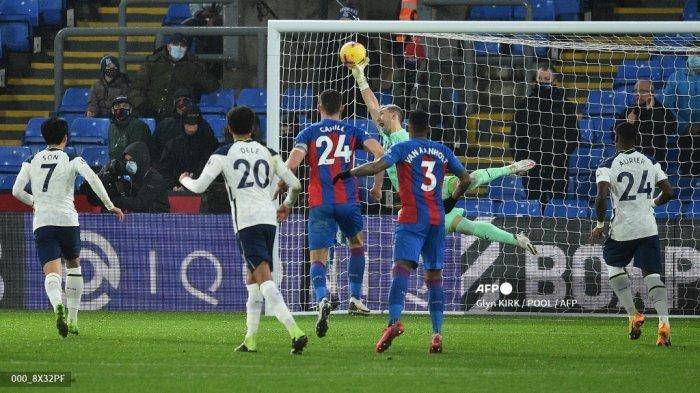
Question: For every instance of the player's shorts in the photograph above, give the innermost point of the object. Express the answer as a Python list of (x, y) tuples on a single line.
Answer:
[(256, 243), (646, 252), (424, 240), (54, 242), (449, 217), (324, 221)]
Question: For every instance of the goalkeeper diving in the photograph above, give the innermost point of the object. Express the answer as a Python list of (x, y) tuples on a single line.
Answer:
[(389, 117)]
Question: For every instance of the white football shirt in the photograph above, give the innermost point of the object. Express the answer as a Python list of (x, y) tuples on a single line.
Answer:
[(633, 178), (249, 169), (52, 174)]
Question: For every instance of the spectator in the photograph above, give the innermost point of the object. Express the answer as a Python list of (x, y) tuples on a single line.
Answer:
[(112, 84), (682, 97), (172, 127), (653, 120), (189, 151), (149, 193), (168, 69), (125, 128), (544, 130), (208, 14)]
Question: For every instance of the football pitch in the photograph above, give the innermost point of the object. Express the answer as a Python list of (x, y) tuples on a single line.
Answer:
[(168, 351)]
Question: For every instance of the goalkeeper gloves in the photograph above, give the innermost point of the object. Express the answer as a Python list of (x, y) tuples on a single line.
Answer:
[(358, 71), (342, 176), (449, 204)]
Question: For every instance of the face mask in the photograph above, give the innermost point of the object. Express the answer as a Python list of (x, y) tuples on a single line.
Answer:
[(121, 113), (177, 52), (131, 167), (111, 72)]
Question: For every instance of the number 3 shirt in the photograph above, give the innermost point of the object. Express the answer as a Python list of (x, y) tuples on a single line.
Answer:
[(330, 146), (633, 178), (421, 165)]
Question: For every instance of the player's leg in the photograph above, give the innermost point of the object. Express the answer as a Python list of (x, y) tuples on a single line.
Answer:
[(648, 258), (321, 229), (349, 219), (70, 248), (433, 263), (617, 255), (253, 311), (49, 252), (456, 222)]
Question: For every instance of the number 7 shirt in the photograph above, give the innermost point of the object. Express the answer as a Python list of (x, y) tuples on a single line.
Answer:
[(330, 146)]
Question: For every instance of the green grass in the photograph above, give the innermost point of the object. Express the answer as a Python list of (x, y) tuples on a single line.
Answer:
[(164, 351)]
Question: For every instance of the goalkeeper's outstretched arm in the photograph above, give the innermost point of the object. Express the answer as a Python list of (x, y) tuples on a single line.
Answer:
[(358, 72)]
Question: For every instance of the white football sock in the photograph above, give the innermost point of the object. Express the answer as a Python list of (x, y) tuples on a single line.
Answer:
[(658, 296), (74, 291), (253, 309), (274, 299), (620, 283), (52, 285)]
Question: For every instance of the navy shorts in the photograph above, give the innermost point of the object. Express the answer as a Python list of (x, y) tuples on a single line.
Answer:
[(256, 244), (414, 240), (54, 242), (324, 221), (646, 252)]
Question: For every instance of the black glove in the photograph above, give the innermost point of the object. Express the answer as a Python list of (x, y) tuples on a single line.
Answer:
[(342, 176), (449, 204)]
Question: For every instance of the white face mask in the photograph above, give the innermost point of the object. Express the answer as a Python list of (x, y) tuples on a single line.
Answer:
[(131, 167), (177, 52)]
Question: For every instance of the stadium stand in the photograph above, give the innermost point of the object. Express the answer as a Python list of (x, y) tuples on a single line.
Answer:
[(218, 125), (75, 100), (176, 14), (517, 208), (507, 188), (254, 98), (96, 157), (12, 157), (88, 131), (7, 181), (568, 208), (298, 99), (150, 122), (217, 102), (51, 12)]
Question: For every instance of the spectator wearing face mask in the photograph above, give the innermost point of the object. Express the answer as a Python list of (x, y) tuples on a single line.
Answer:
[(189, 151), (682, 97), (545, 130), (148, 193), (168, 69), (112, 84), (173, 125), (125, 128)]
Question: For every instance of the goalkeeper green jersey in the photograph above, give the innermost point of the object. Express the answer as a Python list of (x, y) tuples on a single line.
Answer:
[(389, 140)]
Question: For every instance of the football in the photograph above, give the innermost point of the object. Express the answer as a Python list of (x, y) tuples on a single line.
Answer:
[(352, 53)]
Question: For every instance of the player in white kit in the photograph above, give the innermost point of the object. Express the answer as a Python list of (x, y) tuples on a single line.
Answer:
[(51, 173), (249, 169), (632, 178)]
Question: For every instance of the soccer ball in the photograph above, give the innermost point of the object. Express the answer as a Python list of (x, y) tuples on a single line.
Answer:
[(352, 53)]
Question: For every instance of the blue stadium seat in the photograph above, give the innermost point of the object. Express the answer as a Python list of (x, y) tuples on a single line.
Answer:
[(692, 210), (13, 8), (587, 159), (176, 14), (262, 119), (595, 130), (517, 208), (670, 64), (12, 157), (384, 97), (541, 10), (491, 12), (539, 51), (679, 39), (7, 181), (217, 102), (630, 71), (298, 99), (690, 11), (581, 186), (507, 188), (2, 53), (476, 207), (89, 131), (150, 122), (96, 157), (51, 12), (75, 100), (32, 134), (486, 48), (608, 102), (254, 98), (16, 31), (568, 208), (686, 188), (218, 125), (672, 209)]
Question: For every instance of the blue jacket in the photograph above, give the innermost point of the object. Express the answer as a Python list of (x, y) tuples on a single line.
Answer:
[(682, 96)]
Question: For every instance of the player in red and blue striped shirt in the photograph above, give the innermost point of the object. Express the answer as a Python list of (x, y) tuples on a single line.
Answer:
[(421, 165), (329, 147)]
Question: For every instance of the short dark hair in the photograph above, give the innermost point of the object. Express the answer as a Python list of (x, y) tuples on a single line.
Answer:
[(241, 120), (54, 130), (626, 132), (331, 101), (419, 121)]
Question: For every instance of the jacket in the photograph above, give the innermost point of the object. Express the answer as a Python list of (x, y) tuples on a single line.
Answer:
[(124, 133), (187, 153), (103, 93), (682, 97), (149, 193)]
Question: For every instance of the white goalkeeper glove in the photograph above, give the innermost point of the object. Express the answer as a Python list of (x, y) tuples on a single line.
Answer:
[(358, 71)]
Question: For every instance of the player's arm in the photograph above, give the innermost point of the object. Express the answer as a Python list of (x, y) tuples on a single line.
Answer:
[(370, 168), (374, 148), (662, 182), (296, 157), (358, 72), (463, 184), (293, 184), (211, 171), (20, 183), (602, 175), (95, 183)]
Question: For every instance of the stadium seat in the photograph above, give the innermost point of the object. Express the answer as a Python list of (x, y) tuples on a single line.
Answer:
[(476, 207), (218, 125), (75, 100), (2, 53), (254, 98), (581, 186), (384, 97), (262, 122), (539, 51), (541, 10), (670, 64), (630, 71), (7, 181), (491, 12), (679, 39), (151, 123), (96, 157), (16, 31), (690, 11), (587, 159), (567, 10), (32, 134), (176, 14), (51, 12), (12, 9), (692, 210), (686, 188), (517, 208), (672, 209), (507, 188), (12, 157), (568, 208), (298, 99), (217, 102), (89, 131), (608, 102), (486, 48), (595, 130)]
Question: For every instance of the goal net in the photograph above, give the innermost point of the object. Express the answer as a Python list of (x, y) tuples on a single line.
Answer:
[(479, 85)]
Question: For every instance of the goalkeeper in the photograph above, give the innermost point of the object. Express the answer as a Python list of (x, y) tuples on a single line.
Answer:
[(388, 118)]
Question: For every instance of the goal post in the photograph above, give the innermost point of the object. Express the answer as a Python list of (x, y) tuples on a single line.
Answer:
[(475, 79)]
